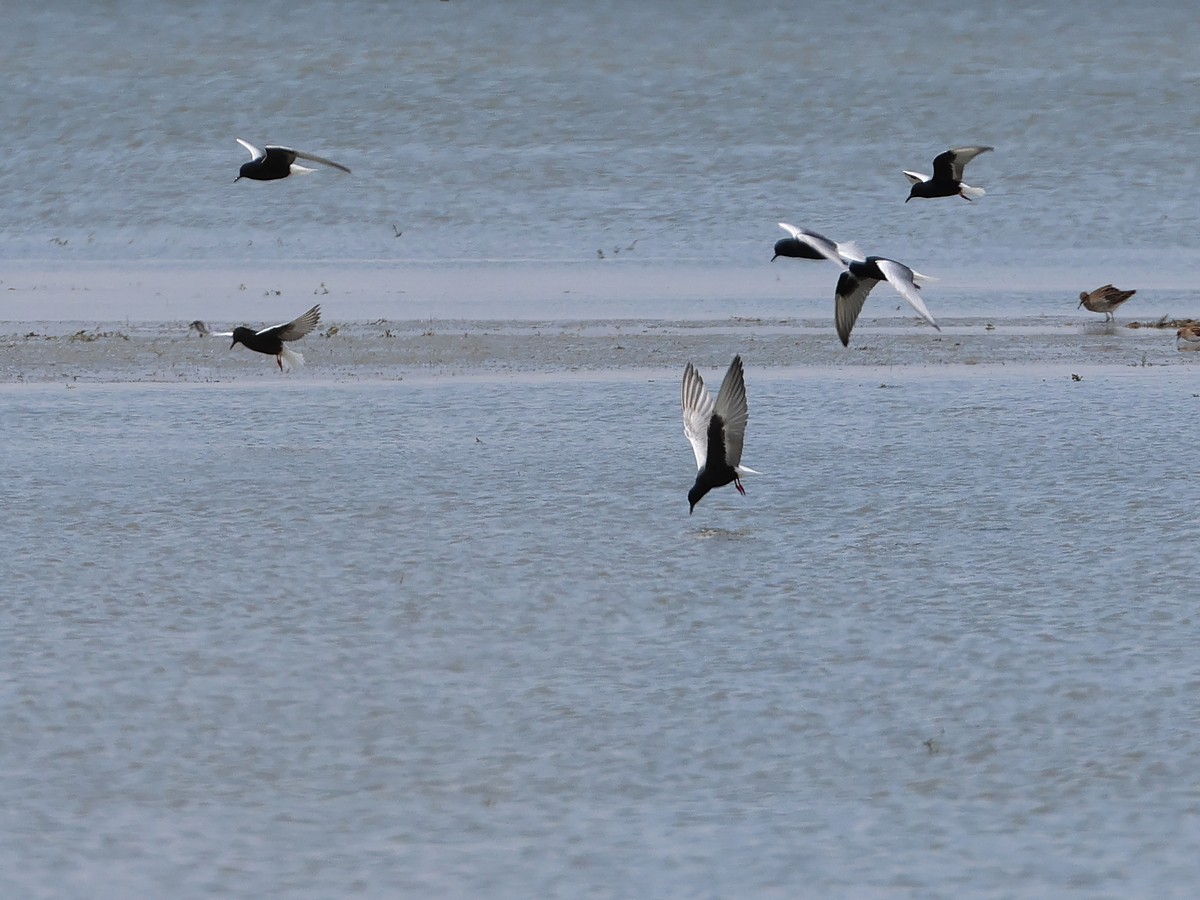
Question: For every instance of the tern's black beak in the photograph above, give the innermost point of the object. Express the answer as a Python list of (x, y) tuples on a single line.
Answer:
[(236, 180), (234, 344)]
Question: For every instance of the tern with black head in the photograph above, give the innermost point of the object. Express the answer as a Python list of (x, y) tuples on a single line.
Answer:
[(946, 180), (803, 245), (271, 340), (272, 163), (716, 431)]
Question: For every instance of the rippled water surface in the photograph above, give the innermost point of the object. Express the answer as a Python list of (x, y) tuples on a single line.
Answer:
[(511, 130), (462, 638)]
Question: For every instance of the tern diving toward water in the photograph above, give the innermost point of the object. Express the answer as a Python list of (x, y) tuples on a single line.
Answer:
[(859, 276), (271, 340), (715, 430), (273, 163), (946, 180)]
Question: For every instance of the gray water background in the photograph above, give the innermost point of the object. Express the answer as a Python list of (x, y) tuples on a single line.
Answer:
[(463, 639), (429, 617), (517, 131)]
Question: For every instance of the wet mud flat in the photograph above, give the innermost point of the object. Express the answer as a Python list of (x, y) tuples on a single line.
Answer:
[(172, 352)]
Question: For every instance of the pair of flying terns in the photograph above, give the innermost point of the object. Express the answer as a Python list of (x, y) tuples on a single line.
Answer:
[(861, 273)]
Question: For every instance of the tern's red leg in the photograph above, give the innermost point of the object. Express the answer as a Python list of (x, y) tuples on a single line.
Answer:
[(279, 361), (737, 483)]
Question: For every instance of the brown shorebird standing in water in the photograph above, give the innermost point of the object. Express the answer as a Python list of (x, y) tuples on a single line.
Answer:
[(1104, 300), (1188, 338)]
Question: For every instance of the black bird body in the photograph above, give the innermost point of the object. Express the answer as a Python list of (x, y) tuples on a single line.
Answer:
[(716, 431), (946, 180), (794, 249), (271, 340), (716, 471), (272, 163), (805, 244)]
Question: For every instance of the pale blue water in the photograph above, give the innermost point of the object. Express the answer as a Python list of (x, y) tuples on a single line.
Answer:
[(429, 618), (353, 650), (512, 130)]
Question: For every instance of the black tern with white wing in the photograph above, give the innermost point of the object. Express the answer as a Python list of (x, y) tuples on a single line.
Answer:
[(946, 180), (272, 163), (716, 431), (271, 340), (859, 276)]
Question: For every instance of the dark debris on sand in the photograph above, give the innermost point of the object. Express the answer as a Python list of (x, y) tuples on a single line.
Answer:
[(1164, 322)]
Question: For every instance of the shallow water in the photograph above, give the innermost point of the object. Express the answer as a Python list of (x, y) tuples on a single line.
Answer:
[(516, 132), (461, 637)]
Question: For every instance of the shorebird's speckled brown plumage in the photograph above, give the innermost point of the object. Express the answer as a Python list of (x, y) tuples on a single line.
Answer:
[(1188, 337), (1104, 300)]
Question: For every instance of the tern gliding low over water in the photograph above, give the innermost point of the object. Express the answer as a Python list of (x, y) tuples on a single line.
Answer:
[(272, 163), (271, 340), (802, 245), (946, 180)]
